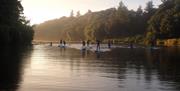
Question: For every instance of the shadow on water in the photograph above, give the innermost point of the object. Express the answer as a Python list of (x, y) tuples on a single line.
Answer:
[(11, 68), (162, 64), (167, 62)]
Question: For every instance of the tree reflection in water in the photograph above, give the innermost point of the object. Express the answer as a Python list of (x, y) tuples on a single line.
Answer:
[(123, 69), (11, 68)]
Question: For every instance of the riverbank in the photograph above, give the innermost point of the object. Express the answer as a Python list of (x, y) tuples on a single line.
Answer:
[(168, 42), (165, 42)]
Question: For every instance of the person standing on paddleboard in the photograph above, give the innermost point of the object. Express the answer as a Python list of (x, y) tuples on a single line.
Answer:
[(98, 45)]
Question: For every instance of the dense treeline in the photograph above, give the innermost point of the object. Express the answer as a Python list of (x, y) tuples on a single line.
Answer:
[(165, 23), (14, 28), (115, 23)]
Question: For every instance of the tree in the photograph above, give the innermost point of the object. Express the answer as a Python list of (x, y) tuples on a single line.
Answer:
[(139, 11), (149, 7), (72, 14), (89, 11), (122, 6), (14, 28), (78, 14), (165, 22)]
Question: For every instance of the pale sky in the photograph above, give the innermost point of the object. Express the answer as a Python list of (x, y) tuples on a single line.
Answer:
[(39, 11)]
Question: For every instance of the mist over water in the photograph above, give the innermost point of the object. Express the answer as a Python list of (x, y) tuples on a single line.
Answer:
[(50, 68)]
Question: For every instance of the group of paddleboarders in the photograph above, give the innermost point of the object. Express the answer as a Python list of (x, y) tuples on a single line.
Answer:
[(86, 44), (62, 43), (98, 42)]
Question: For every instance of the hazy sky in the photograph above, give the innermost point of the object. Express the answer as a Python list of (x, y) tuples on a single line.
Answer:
[(42, 10)]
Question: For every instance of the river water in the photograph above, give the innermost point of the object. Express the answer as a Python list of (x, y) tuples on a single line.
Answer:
[(49, 68)]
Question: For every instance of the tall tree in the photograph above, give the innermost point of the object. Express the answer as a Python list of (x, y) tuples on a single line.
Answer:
[(78, 14), (139, 11), (72, 13), (165, 22), (149, 7), (14, 28)]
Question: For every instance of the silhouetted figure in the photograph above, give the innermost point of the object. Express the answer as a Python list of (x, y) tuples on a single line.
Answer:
[(131, 45), (64, 42), (50, 43), (83, 45), (88, 43), (109, 44), (61, 45), (61, 42), (98, 45)]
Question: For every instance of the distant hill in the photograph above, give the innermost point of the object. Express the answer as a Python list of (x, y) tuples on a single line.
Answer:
[(107, 24), (116, 23)]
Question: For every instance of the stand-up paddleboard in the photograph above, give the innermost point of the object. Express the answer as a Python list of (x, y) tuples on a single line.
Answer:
[(97, 50), (88, 47), (83, 48), (62, 46), (154, 48)]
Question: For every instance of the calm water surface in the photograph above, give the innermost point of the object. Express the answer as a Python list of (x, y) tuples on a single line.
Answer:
[(45, 68)]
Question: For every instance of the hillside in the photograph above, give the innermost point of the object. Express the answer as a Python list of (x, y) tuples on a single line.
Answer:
[(115, 23)]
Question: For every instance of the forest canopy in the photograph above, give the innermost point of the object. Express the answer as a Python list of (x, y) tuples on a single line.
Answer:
[(165, 23), (115, 23), (14, 28)]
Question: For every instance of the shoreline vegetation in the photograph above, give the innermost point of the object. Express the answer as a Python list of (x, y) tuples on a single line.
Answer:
[(163, 43), (168, 42), (146, 26), (150, 26), (15, 30)]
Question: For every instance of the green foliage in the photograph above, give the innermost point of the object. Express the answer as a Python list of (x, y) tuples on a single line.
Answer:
[(14, 29), (149, 7), (165, 23), (113, 23)]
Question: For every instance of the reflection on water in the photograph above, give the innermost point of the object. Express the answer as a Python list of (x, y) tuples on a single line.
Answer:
[(11, 66), (45, 68)]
